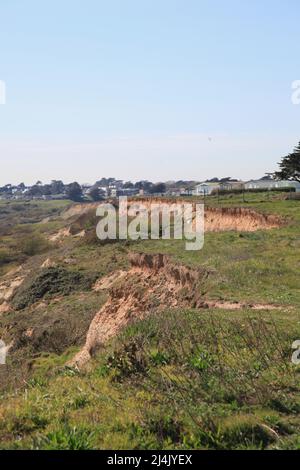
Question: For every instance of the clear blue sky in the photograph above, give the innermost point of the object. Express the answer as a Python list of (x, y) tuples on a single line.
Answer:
[(156, 89)]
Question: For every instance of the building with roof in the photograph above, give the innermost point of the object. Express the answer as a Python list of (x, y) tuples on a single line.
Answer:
[(269, 184)]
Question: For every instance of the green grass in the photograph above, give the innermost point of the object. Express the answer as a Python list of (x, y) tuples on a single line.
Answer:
[(181, 379), (22, 231), (175, 380), (260, 266)]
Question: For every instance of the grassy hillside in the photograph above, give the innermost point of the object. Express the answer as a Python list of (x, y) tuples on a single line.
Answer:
[(181, 378)]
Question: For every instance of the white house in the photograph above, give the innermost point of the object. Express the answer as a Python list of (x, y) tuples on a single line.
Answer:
[(231, 185), (204, 189), (272, 184)]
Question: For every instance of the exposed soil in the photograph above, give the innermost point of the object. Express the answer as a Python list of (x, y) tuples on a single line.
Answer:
[(153, 283), (238, 219), (60, 235), (79, 209), (216, 219), (227, 305), (4, 307), (10, 282)]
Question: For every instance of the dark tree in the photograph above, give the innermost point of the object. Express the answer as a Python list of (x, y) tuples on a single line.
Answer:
[(74, 191), (145, 185), (46, 189), (290, 166), (57, 187), (7, 189), (128, 185), (213, 180), (96, 194), (227, 179), (35, 190), (158, 188)]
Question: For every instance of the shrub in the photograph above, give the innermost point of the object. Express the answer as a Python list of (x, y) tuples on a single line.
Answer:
[(33, 245), (49, 281), (128, 360)]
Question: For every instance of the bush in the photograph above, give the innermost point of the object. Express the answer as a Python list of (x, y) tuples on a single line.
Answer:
[(33, 245), (49, 281), (129, 360)]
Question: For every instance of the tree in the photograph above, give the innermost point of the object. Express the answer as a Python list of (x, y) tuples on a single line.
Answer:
[(57, 187), (74, 191), (213, 180), (226, 179), (144, 184), (7, 189), (96, 194), (128, 185), (46, 190), (158, 188), (35, 190), (290, 166)]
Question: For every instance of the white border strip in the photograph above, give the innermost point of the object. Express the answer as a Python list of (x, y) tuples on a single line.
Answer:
[(2, 92)]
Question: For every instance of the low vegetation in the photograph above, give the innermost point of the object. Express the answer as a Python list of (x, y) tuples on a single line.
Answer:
[(183, 378), (176, 380), (48, 282)]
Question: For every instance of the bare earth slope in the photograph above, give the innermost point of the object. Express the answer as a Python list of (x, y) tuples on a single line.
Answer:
[(215, 219), (152, 283)]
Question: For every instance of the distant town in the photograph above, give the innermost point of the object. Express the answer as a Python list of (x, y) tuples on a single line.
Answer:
[(111, 187)]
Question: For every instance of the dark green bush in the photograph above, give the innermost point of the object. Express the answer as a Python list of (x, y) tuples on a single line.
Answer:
[(50, 281)]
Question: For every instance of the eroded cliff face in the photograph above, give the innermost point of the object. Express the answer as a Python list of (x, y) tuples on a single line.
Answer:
[(239, 219), (8, 286), (156, 283), (153, 283), (216, 219)]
